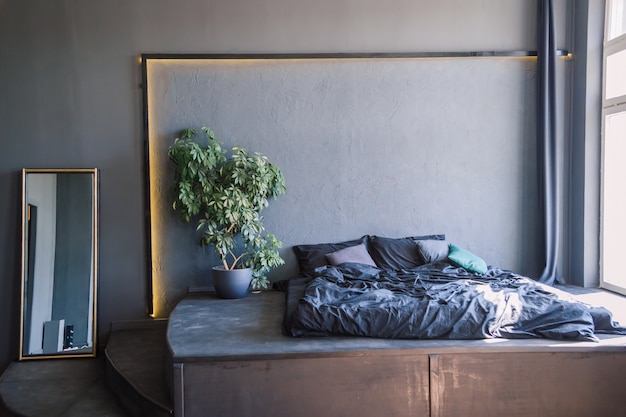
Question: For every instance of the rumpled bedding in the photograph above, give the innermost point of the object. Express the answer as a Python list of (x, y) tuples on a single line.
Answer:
[(436, 301)]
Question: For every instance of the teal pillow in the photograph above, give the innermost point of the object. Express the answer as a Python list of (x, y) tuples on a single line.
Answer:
[(466, 259)]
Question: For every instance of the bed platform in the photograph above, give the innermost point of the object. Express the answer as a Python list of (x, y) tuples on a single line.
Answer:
[(229, 358)]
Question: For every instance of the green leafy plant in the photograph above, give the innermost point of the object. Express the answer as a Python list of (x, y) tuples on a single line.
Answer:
[(226, 192)]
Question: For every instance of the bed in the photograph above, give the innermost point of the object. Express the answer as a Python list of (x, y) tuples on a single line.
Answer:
[(240, 357), (427, 288)]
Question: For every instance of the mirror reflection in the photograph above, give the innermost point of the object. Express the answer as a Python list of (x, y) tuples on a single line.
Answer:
[(59, 262)]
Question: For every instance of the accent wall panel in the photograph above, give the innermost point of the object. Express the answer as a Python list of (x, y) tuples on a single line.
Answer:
[(392, 147)]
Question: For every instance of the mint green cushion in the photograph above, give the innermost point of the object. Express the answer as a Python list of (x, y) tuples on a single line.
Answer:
[(466, 259)]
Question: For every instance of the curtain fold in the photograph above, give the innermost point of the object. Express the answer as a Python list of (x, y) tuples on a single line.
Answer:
[(546, 138)]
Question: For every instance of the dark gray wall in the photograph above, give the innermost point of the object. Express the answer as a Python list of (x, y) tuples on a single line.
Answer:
[(70, 96)]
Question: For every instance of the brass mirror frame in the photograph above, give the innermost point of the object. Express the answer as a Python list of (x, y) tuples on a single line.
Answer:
[(92, 304)]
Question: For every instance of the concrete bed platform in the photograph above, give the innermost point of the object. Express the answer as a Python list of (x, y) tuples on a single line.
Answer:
[(228, 357), (205, 326)]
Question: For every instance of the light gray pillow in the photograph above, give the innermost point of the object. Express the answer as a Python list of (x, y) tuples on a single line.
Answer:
[(433, 250), (356, 254)]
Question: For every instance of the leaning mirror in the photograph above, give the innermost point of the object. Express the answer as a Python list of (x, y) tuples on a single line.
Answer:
[(59, 263)]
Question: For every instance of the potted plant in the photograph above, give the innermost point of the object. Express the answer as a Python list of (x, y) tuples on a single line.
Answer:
[(225, 193)]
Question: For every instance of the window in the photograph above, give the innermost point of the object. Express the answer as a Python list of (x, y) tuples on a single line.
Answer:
[(613, 248), (616, 19)]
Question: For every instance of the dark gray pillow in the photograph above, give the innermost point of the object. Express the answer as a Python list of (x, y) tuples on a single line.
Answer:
[(397, 253), (433, 250), (355, 254), (314, 255)]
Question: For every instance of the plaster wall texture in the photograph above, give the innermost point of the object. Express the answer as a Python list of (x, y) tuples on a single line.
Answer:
[(388, 147)]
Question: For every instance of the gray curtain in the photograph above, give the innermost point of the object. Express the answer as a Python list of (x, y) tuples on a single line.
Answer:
[(546, 138)]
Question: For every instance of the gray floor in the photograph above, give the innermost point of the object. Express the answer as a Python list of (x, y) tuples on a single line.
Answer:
[(128, 375), (58, 388)]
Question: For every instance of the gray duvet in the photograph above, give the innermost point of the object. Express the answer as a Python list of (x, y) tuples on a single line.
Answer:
[(435, 301)]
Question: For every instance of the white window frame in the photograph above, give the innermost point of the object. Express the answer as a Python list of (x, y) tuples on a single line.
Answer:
[(609, 106)]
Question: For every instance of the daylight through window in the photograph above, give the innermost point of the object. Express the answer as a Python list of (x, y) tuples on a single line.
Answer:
[(614, 148)]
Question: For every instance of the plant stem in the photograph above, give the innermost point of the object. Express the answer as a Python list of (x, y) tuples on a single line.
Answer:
[(236, 258), (224, 263)]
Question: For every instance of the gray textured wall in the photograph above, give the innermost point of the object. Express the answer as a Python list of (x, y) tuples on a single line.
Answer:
[(70, 97), (388, 147)]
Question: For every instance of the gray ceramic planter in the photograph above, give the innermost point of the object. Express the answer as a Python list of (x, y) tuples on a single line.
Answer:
[(233, 283)]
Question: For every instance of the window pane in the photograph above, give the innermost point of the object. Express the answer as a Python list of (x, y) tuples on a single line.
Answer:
[(614, 207), (617, 18), (615, 75)]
